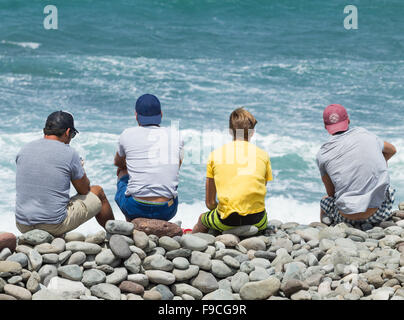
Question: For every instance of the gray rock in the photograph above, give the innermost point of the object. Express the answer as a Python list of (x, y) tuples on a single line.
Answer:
[(260, 290), (116, 277), (219, 294), (20, 257), (239, 280), (242, 231), (71, 272), (97, 238), (202, 260), (119, 246), (133, 263), (301, 295), (120, 227), (17, 292), (254, 243), (106, 291), (139, 278), (14, 279), (168, 243), (4, 254), (194, 243), (157, 262), (35, 237), (165, 292), (182, 263), (92, 277), (34, 260), (50, 258), (184, 275), (74, 236), (141, 239), (46, 294), (106, 256), (231, 262), (205, 282), (47, 272), (220, 269), (247, 267), (160, 277), (292, 286), (77, 258), (86, 247), (185, 253), (63, 256), (9, 268), (229, 240), (182, 288), (259, 274), (33, 282)]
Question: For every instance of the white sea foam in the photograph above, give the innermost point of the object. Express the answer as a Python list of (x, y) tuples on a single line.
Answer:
[(30, 45)]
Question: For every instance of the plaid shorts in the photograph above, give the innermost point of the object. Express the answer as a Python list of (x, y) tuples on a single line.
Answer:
[(382, 214)]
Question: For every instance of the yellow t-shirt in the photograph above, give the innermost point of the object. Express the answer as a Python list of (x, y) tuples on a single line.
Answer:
[(240, 170)]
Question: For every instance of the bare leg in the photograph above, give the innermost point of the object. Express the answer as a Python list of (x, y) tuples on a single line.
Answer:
[(199, 227), (106, 211)]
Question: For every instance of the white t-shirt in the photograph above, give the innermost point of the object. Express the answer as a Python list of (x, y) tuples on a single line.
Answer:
[(356, 166), (153, 157)]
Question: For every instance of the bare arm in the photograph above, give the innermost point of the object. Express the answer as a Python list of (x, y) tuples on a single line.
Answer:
[(210, 195), (388, 150), (82, 185), (329, 186), (120, 162)]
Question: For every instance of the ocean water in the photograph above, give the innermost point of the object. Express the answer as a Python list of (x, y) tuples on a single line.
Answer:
[(284, 61)]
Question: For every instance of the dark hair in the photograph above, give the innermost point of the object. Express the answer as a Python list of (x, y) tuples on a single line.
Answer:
[(241, 119), (54, 132)]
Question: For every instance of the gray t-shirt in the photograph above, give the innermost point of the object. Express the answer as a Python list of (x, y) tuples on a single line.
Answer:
[(152, 158), (357, 168), (44, 171)]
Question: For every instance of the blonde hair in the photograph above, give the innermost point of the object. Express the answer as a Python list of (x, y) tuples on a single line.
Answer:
[(241, 119)]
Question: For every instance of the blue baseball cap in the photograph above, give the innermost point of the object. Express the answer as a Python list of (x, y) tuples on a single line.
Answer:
[(148, 109)]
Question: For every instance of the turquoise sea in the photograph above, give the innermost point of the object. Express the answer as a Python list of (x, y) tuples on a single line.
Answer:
[(284, 61)]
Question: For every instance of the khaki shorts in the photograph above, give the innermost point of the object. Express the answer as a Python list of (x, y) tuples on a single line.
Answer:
[(80, 209)]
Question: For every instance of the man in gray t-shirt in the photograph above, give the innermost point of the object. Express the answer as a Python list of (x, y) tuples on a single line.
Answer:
[(353, 167), (45, 169)]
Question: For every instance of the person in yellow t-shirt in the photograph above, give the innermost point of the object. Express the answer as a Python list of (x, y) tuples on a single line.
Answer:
[(237, 173)]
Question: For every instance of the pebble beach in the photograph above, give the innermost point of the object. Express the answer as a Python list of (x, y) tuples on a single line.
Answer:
[(287, 261)]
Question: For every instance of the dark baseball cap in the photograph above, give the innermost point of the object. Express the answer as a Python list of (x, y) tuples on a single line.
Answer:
[(148, 109), (60, 120)]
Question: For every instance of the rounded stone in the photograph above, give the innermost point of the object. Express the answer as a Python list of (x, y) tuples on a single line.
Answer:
[(220, 269), (194, 243), (119, 246), (86, 247), (260, 290), (92, 277), (160, 277), (106, 291), (119, 227), (35, 237), (116, 277), (17, 292), (77, 258), (71, 272), (181, 263), (205, 282), (168, 243), (74, 236)]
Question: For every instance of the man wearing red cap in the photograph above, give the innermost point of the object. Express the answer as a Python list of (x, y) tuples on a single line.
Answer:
[(353, 167)]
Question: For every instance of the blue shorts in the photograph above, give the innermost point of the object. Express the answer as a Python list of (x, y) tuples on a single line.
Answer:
[(133, 208)]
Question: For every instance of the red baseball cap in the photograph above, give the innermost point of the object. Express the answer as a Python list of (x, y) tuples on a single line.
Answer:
[(335, 118)]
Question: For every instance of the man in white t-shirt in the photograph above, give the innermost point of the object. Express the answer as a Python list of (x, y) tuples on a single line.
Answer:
[(353, 167), (148, 160)]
